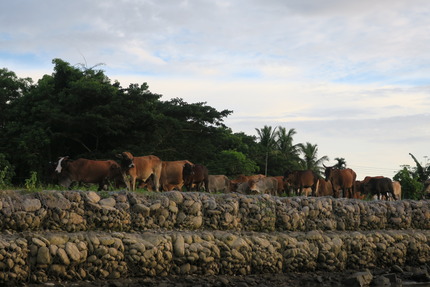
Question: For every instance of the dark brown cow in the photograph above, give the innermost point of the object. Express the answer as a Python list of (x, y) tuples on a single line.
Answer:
[(171, 174), (342, 180), (219, 183), (324, 188), (300, 179), (357, 191), (379, 186), (140, 168), (234, 183), (195, 177), (83, 170), (358, 194)]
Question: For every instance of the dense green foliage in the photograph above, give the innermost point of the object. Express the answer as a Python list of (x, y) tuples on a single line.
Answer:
[(79, 112)]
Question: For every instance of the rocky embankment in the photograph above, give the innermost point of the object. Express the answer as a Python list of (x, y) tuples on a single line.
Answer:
[(79, 236)]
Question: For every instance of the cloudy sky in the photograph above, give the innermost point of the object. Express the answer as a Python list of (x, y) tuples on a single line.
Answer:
[(352, 77)]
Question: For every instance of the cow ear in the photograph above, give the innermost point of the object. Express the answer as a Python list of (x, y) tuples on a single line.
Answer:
[(119, 155)]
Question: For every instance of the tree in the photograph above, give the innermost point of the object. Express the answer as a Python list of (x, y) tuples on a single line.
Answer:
[(310, 157), (288, 152), (78, 112), (341, 163), (11, 88), (412, 188), (266, 137), (421, 173), (233, 163)]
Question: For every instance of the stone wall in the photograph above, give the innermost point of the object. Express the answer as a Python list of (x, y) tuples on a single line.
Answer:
[(73, 235)]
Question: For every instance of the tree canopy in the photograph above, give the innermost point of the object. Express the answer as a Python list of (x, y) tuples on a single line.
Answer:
[(79, 112)]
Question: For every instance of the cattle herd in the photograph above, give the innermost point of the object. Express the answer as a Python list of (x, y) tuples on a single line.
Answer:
[(154, 174)]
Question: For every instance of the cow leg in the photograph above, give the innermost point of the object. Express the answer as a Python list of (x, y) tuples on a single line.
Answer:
[(156, 182)]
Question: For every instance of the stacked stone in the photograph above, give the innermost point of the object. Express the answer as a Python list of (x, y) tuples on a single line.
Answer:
[(258, 213), (190, 215), (156, 211), (291, 213), (107, 213), (80, 211), (148, 254), (97, 255), (319, 213), (298, 255), (221, 212), (196, 254), (57, 255), (106, 258), (360, 249), (266, 257), (420, 217), (20, 213), (235, 253), (13, 259), (347, 213), (65, 211)]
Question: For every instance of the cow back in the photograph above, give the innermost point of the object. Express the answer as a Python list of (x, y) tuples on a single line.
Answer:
[(145, 166), (219, 183), (324, 188), (171, 174)]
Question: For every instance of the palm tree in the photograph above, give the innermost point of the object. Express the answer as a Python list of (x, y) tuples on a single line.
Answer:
[(341, 163), (310, 157), (267, 136), (286, 147)]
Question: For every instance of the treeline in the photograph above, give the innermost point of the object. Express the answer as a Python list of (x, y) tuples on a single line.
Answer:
[(80, 112)]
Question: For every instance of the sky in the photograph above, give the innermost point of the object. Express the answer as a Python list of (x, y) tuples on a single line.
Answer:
[(351, 76)]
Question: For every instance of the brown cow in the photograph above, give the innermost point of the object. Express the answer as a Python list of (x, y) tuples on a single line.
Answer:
[(341, 180), (195, 177), (357, 190), (219, 183), (234, 183), (300, 179), (140, 168), (83, 170), (281, 184), (397, 188), (171, 174), (324, 188)]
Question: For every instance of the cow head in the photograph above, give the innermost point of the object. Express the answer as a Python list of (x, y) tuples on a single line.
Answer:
[(252, 187), (127, 160), (328, 172), (187, 173), (61, 164)]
